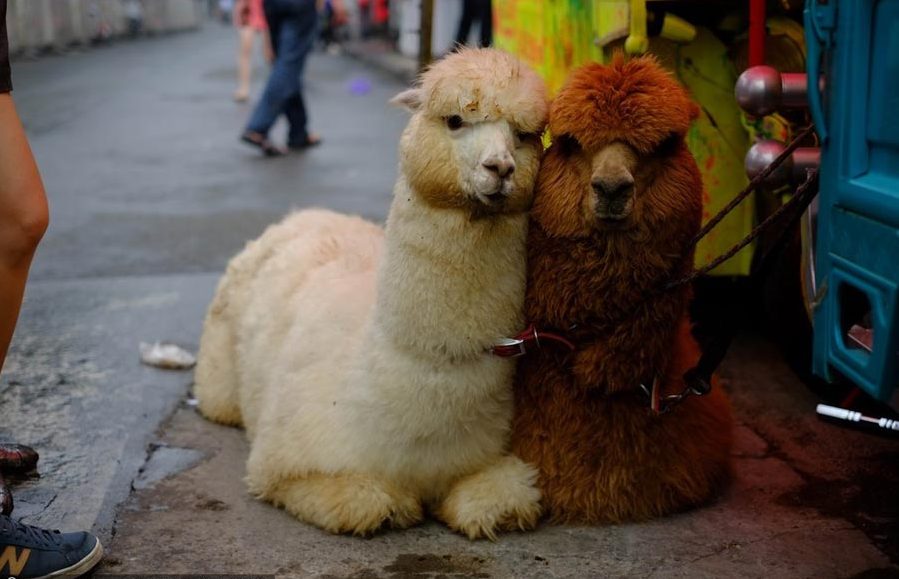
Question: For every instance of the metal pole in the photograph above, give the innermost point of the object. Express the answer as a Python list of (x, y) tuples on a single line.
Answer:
[(424, 37), (756, 33)]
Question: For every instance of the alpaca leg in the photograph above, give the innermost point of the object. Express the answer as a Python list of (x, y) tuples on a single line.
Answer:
[(215, 378), (502, 496), (359, 504)]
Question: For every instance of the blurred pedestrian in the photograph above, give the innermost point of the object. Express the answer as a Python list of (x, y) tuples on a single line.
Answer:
[(365, 23), (224, 10), (292, 25), (25, 551), (249, 19), (480, 11), (332, 28), (134, 14)]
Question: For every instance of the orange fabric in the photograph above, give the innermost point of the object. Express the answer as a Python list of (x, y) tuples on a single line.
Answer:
[(381, 12)]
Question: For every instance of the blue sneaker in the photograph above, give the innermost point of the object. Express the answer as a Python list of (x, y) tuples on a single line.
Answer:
[(28, 552)]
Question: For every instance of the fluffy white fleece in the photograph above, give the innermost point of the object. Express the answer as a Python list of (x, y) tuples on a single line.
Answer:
[(358, 362)]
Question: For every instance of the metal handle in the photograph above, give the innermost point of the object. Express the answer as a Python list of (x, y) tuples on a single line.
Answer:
[(762, 90), (818, 21), (793, 169)]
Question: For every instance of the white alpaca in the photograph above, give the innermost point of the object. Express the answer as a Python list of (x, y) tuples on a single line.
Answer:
[(358, 361)]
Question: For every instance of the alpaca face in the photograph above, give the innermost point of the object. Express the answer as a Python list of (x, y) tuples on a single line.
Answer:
[(614, 189), (473, 143), (480, 163), (619, 166)]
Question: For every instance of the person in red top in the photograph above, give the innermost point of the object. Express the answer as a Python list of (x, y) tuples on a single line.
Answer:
[(26, 552), (249, 18)]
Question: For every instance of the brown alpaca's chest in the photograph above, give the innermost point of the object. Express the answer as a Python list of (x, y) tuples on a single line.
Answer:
[(573, 280), (607, 458), (555, 418)]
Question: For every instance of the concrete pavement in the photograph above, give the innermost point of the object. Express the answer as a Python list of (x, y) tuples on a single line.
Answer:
[(151, 194)]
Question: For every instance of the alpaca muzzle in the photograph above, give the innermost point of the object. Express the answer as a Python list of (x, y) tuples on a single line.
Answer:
[(614, 198), (502, 166), (498, 184)]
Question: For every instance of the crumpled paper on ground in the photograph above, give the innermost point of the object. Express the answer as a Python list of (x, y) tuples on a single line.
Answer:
[(166, 356)]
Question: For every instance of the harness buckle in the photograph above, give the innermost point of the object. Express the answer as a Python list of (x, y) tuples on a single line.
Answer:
[(509, 348)]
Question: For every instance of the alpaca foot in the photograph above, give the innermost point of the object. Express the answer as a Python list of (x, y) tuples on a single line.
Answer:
[(503, 496), (357, 504)]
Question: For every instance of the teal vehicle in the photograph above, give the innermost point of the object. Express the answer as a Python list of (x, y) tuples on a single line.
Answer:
[(853, 289), (850, 234)]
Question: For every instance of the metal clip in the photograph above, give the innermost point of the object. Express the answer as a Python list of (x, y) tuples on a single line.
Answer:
[(660, 405), (502, 346)]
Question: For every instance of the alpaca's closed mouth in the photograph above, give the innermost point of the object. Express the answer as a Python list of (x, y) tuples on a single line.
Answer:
[(493, 200), (616, 222)]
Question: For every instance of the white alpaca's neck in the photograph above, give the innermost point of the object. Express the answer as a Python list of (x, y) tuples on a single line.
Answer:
[(449, 286)]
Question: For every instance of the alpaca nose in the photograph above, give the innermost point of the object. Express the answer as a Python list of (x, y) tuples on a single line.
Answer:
[(502, 166), (613, 190)]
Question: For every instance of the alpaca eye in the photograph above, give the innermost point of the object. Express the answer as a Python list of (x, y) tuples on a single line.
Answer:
[(668, 146), (523, 136), (454, 122), (568, 144)]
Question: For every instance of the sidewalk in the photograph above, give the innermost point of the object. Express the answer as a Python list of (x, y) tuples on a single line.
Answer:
[(382, 54)]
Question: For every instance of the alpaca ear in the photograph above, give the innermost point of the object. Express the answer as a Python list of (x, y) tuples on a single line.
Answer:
[(408, 99)]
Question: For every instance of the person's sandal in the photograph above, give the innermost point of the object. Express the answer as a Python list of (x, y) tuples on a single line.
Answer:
[(261, 143), (311, 140)]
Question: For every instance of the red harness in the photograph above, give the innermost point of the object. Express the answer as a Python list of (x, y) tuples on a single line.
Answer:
[(659, 404)]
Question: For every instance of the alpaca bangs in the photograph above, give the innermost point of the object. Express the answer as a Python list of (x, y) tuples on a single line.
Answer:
[(635, 102), (486, 85)]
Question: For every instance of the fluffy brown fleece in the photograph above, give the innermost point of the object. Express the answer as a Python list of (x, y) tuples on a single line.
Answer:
[(581, 417)]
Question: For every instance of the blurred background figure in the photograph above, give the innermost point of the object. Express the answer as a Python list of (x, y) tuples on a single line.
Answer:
[(134, 14), (333, 27), (224, 10), (365, 24), (249, 18), (292, 25), (480, 11), (374, 17)]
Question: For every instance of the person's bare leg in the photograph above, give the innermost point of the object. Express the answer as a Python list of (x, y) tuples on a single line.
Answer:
[(23, 217), (244, 57), (23, 221)]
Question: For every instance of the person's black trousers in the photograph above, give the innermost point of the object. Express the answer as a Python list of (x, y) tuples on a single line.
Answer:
[(480, 11)]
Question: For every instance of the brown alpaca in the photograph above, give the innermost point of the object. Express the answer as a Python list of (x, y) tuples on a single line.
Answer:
[(618, 199)]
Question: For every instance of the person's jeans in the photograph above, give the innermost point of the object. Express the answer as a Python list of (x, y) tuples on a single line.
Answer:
[(292, 26)]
